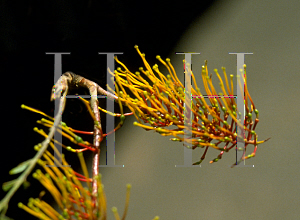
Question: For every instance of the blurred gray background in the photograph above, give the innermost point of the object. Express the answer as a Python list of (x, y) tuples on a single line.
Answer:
[(270, 190)]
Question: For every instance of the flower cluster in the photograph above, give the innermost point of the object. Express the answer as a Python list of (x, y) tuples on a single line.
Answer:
[(65, 185), (160, 101)]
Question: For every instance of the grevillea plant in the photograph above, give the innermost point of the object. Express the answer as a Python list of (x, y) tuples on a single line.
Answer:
[(158, 102), (65, 184)]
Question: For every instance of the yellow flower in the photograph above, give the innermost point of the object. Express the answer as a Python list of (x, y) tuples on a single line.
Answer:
[(158, 101)]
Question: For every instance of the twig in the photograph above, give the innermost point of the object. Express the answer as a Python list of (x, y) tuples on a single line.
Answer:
[(22, 178), (72, 79)]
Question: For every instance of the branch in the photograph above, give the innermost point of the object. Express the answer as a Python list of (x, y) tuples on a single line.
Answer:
[(22, 178), (74, 80)]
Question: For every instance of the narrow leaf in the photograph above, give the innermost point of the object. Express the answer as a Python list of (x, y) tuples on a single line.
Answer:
[(7, 185), (20, 168)]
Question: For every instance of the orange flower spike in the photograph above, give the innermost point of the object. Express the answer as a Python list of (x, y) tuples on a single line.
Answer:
[(36, 111), (130, 80), (179, 99), (173, 94), (58, 179), (133, 110), (230, 91), (231, 84), (231, 114), (195, 91), (214, 93), (73, 192), (209, 109), (246, 87), (243, 94), (76, 140), (226, 80), (122, 64), (119, 79), (132, 89), (71, 186), (221, 82), (67, 136), (63, 127), (79, 187), (50, 160), (47, 206), (155, 67), (134, 107), (164, 63), (101, 109), (101, 198), (116, 214), (41, 132), (133, 78), (204, 78), (175, 78), (127, 201), (47, 180), (142, 55), (51, 174), (48, 210), (123, 94), (52, 189), (143, 126), (32, 212), (171, 107), (176, 109), (84, 168), (143, 83), (222, 86), (119, 101), (154, 103), (150, 77)]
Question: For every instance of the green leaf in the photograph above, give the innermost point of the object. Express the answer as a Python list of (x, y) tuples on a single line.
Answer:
[(20, 168), (7, 185)]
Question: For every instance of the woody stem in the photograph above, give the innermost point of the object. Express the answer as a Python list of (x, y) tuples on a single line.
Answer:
[(97, 140)]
